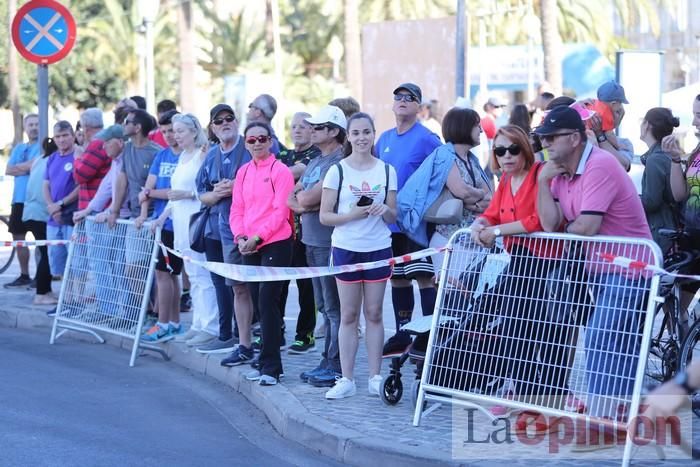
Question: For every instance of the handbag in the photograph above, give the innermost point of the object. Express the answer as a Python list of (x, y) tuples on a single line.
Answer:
[(445, 210), (198, 226)]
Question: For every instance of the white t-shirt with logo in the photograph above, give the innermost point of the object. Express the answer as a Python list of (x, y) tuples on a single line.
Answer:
[(370, 233)]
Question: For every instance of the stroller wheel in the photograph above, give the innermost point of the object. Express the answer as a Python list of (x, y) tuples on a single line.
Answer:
[(391, 389)]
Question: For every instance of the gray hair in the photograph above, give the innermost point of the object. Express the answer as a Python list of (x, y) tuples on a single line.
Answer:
[(191, 122), (91, 118), (303, 115), (267, 105)]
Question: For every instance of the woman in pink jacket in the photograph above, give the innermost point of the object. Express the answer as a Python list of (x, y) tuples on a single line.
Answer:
[(260, 222)]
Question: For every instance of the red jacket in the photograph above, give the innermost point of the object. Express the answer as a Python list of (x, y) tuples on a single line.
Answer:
[(88, 171)]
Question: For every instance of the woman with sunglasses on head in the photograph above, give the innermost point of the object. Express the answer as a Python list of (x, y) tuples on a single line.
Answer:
[(182, 203), (359, 201), (260, 223), (512, 211)]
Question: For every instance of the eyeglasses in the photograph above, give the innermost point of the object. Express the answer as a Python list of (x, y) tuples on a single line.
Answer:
[(127, 121), (220, 121), (319, 127), (405, 98), (260, 139), (513, 149), (549, 139)]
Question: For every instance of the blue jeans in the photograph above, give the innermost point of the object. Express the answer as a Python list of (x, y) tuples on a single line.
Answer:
[(613, 336), (58, 254), (107, 261), (328, 303)]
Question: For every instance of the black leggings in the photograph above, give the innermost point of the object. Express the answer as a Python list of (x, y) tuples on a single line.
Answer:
[(278, 254), (43, 271)]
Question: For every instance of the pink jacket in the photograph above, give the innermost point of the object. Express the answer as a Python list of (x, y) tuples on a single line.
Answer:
[(259, 205)]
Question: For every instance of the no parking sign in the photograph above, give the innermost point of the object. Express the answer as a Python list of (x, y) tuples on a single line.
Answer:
[(43, 31)]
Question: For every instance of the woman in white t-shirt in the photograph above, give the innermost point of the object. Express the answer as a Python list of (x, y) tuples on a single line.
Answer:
[(359, 200)]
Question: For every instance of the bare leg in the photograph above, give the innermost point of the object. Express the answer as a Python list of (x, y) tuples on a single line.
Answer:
[(243, 308), (374, 335), (174, 305), (163, 293), (350, 304)]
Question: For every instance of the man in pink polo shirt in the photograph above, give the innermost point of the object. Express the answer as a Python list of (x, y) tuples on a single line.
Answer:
[(585, 189)]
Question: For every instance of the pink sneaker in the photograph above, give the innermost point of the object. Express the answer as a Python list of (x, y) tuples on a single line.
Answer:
[(502, 410), (574, 404)]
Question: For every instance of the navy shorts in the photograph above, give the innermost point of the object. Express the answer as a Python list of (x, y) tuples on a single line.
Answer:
[(340, 257)]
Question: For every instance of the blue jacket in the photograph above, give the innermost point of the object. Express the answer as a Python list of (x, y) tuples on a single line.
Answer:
[(422, 190)]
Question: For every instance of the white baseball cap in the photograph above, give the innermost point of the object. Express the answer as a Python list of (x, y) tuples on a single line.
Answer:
[(329, 114)]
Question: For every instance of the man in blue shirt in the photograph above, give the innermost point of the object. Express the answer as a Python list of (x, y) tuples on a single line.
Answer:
[(405, 148), (19, 165)]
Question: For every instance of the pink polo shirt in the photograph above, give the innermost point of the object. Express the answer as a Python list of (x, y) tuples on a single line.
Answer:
[(601, 187), (259, 204)]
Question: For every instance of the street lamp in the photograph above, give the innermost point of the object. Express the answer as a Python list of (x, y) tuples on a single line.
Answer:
[(148, 9)]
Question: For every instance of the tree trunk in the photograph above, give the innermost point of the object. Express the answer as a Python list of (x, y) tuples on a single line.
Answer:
[(186, 49), (353, 49), (551, 45), (13, 79)]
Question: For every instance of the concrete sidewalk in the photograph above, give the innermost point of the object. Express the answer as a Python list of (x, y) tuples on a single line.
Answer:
[(360, 430)]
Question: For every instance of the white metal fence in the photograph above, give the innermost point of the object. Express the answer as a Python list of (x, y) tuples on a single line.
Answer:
[(107, 281), (511, 322)]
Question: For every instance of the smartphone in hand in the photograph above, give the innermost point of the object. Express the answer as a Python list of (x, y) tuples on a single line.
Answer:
[(364, 201)]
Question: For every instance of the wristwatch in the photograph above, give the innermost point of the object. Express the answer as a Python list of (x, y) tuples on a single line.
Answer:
[(257, 239), (681, 380), (497, 232), (601, 137)]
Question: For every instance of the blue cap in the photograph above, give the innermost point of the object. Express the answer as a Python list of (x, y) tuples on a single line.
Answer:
[(612, 92), (114, 131)]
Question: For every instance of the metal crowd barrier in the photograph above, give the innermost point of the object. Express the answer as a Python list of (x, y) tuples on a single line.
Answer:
[(107, 282), (566, 335)]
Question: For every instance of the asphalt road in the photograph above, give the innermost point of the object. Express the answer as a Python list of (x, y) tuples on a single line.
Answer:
[(80, 406)]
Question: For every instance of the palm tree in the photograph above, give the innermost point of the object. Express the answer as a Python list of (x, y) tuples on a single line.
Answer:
[(185, 29), (551, 44)]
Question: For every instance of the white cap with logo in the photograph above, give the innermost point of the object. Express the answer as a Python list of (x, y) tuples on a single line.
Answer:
[(329, 114)]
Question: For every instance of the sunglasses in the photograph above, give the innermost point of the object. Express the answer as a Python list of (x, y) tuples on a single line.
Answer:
[(513, 149), (549, 139), (405, 98), (127, 121), (319, 127), (259, 139), (220, 121)]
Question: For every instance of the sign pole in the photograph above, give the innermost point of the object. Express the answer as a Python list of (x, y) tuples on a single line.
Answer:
[(42, 86)]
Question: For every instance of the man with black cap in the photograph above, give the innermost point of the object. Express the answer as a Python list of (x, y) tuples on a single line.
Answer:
[(214, 185), (585, 189), (405, 148)]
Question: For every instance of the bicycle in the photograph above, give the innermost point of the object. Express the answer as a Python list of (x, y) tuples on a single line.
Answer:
[(6, 260), (691, 349), (669, 335)]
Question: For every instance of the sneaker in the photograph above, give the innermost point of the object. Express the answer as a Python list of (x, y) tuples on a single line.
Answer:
[(343, 388), (157, 334), (239, 356), (218, 346), (253, 375), (306, 375), (57, 278), (302, 346), (257, 344), (22, 281), (325, 378), (574, 404), (267, 380), (255, 329), (374, 385), (502, 410), (45, 299), (528, 419), (185, 302), (186, 336), (32, 284), (397, 344), (200, 339), (51, 313)]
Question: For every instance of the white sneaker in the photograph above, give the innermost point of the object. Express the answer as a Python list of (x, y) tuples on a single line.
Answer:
[(187, 336), (200, 339), (343, 388), (374, 385)]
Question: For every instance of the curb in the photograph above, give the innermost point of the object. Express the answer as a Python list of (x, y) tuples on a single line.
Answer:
[(283, 410)]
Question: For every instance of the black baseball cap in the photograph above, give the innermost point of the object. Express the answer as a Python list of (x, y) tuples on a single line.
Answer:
[(560, 118), (412, 89), (218, 108)]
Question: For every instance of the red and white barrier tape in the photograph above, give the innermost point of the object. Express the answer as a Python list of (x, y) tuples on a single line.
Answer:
[(642, 266), (267, 273), (25, 243)]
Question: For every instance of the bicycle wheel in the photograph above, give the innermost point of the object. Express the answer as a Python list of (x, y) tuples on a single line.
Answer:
[(689, 352), (7, 254), (664, 348)]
